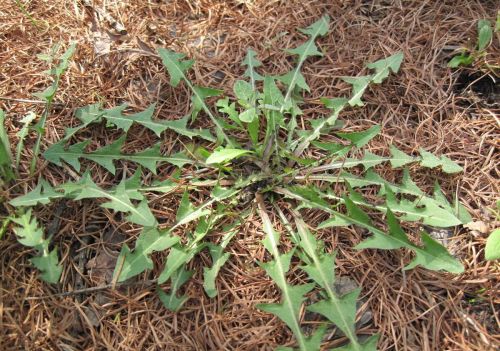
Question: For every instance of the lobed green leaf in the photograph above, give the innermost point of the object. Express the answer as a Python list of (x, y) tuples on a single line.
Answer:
[(133, 263), (384, 67), (171, 300), (29, 233), (106, 155), (431, 256)]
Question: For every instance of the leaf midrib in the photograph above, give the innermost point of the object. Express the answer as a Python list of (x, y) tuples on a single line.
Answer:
[(113, 156), (385, 208), (285, 291), (371, 228), (204, 106), (333, 298), (117, 199), (302, 58)]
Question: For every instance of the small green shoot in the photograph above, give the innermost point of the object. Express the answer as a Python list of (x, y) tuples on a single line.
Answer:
[(484, 37), (42, 24), (48, 95)]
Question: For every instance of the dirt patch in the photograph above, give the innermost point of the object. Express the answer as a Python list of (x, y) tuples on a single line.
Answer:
[(478, 87)]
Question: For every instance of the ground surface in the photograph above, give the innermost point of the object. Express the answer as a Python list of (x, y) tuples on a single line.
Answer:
[(420, 107)]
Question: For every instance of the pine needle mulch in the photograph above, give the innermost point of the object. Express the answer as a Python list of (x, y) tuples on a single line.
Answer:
[(422, 106)]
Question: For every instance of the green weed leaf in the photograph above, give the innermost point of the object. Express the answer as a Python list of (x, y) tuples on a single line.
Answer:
[(252, 63), (246, 98), (492, 249), (185, 208), (219, 258), (359, 85), (180, 126), (6, 172), (136, 262), (243, 91), (274, 118), (175, 66), (337, 105), (318, 28), (171, 300), (115, 117), (484, 34), (43, 193), (49, 267), (106, 155), (332, 148), (118, 201), (432, 256), (48, 95), (340, 310), (292, 296), (176, 69), (463, 59), (294, 77), (249, 115), (87, 115), (29, 233), (399, 158), (230, 109), (431, 161), (384, 67), (225, 155), (177, 257), (360, 139)]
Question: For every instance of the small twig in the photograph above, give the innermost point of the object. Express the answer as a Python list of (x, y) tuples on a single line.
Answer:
[(91, 290), (118, 271), (477, 327), (27, 101)]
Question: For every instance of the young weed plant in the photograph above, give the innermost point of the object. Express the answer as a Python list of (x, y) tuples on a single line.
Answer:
[(468, 57), (55, 72), (261, 165), (28, 231)]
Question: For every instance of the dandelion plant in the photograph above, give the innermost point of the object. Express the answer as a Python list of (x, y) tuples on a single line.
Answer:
[(257, 159)]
